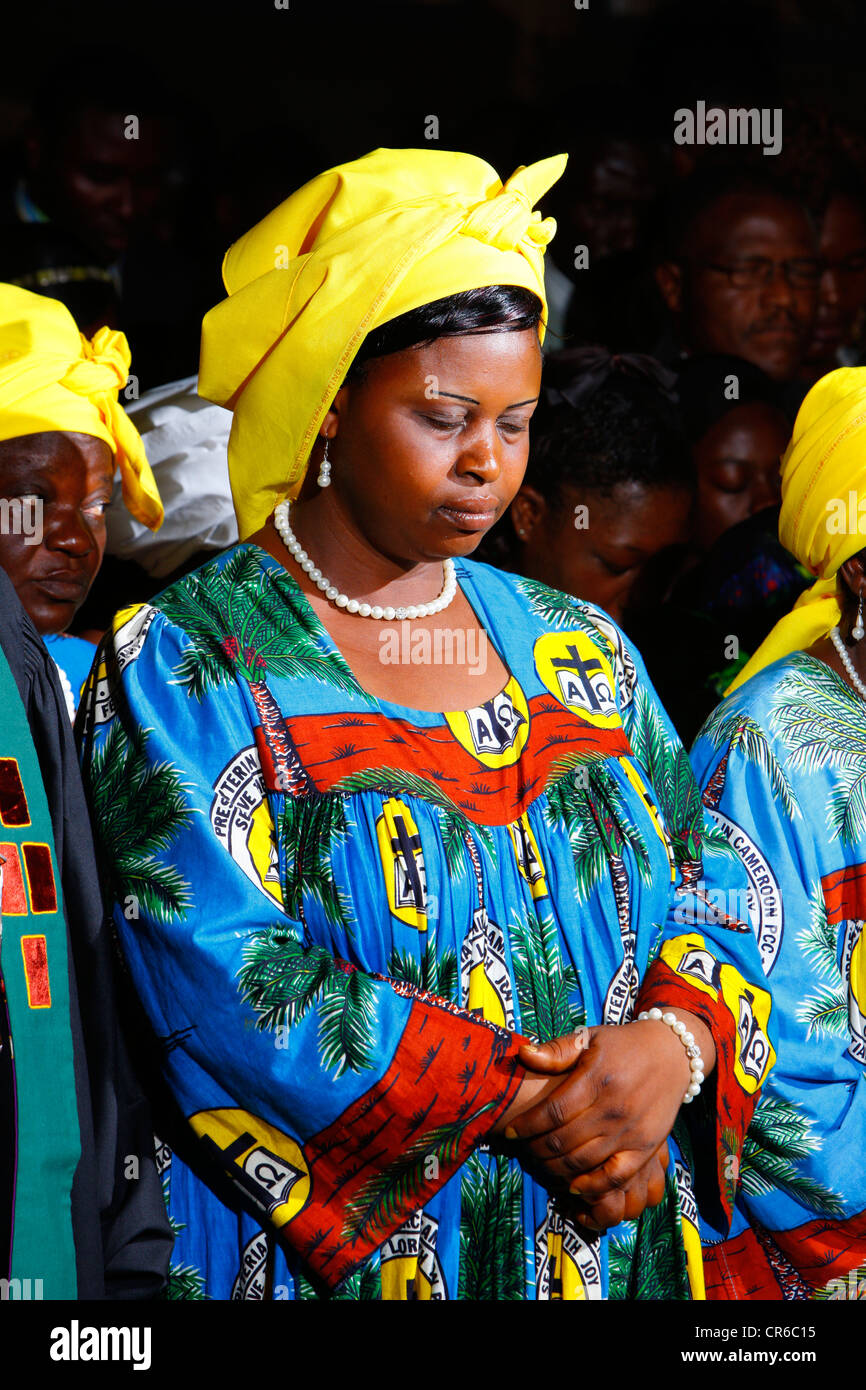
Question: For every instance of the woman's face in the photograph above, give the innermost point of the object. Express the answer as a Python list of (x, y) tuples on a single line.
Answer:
[(598, 545), (737, 466), (55, 489), (431, 444)]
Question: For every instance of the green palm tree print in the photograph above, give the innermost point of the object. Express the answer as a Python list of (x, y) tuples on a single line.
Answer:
[(821, 724), (491, 1230), (778, 1136), (139, 808), (825, 1009), (283, 980)]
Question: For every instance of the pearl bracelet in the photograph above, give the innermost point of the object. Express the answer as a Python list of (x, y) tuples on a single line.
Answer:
[(693, 1052)]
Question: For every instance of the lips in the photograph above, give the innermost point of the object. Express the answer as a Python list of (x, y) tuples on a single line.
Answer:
[(470, 513), (64, 586), (781, 332)]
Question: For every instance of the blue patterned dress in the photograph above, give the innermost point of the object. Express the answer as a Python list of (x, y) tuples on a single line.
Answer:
[(340, 915), (783, 767)]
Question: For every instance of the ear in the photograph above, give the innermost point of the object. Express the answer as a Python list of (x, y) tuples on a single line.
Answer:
[(854, 574), (669, 278), (330, 426), (528, 511)]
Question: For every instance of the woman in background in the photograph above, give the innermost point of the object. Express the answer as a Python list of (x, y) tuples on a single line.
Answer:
[(734, 580), (62, 435), (608, 486), (781, 762)]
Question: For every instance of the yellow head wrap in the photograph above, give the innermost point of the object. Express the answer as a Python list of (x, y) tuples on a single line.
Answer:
[(823, 464), (353, 249), (53, 378)]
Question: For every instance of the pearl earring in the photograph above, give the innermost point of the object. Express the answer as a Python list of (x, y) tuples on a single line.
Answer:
[(857, 630), (324, 478)]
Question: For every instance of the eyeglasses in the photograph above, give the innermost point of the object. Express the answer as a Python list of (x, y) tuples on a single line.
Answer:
[(760, 270), (851, 265)]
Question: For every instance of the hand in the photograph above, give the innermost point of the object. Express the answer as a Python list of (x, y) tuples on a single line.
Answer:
[(645, 1189), (613, 1110), (536, 1086)]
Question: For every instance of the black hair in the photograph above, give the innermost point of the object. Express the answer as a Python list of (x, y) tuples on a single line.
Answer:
[(621, 429), (696, 195), (626, 430), (106, 79), (491, 309), (704, 390)]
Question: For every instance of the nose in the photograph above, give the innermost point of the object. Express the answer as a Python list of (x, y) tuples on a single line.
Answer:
[(778, 289), (480, 455), (829, 286), (67, 530), (124, 200)]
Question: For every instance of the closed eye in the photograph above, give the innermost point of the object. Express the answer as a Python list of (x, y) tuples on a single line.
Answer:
[(441, 422)]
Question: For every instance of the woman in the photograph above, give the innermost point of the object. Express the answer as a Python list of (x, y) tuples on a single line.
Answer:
[(608, 487), (62, 434), (737, 430), (735, 579), (781, 763), (345, 908)]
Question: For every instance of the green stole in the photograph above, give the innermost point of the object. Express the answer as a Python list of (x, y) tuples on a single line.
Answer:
[(35, 972)]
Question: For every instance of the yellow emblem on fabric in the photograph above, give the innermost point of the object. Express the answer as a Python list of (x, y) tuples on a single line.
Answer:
[(646, 796), (688, 956), (484, 979), (566, 1283), (268, 1165), (402, 863), (748, 1005), (528, 856), (495, 733), (694, 1260), (578, 674), (130, 628), (409, 1266), (688, 1213), (857, 980), (750, 1008), (567, 1268)]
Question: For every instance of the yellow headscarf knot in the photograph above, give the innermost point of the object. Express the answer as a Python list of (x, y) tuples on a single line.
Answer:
[(53, 378), (507, 219), (824, 463), (356, 247)]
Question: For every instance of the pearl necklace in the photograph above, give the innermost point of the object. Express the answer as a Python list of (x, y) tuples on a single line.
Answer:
[(836, 639), (351, 605)]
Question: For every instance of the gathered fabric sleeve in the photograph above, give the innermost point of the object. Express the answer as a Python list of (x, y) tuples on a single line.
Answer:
[(706, 960), (336, 1100)]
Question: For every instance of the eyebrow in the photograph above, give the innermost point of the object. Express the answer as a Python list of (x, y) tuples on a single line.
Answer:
[(472, 401)]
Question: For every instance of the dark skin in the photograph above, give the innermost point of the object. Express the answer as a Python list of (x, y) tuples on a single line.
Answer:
[(737, 467), (616, 191), (627, 527), (99, 184), (416, 478), (851, 583), (842, 289), (72, 476), (769, 324)]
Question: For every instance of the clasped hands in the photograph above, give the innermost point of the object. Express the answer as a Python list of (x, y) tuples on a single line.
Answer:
[(595, 1108)]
